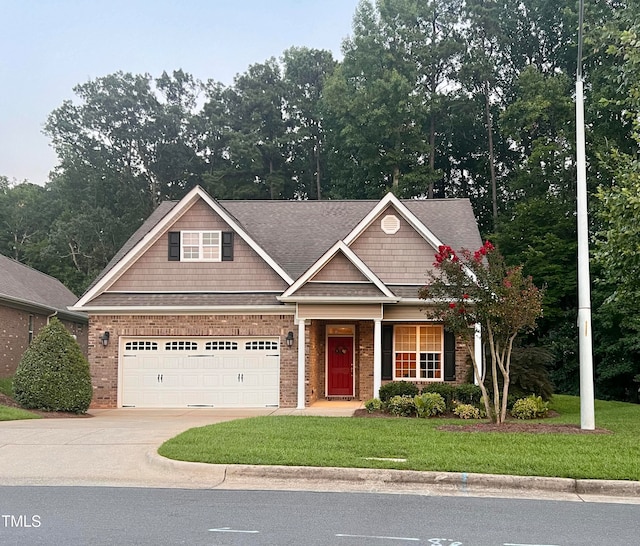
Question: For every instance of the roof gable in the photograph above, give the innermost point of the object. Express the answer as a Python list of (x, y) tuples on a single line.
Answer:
[(338, 248), (150, 232), (381, 207)]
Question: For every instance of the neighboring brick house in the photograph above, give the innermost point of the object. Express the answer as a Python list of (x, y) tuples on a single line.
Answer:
[(273, 303), (28, 298)]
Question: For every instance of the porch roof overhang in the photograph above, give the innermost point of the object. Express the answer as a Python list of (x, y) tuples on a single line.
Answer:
[(338, 300)]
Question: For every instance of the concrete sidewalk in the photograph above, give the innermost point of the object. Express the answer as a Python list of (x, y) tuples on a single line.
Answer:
[(119, 448)]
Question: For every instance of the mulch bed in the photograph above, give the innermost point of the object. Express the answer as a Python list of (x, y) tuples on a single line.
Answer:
[(10, 402), (511, 425)]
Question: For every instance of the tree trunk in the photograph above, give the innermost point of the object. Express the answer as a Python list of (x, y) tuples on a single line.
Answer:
[(505, 368), (396, 177), (432, 153), (479, 378), (318, 174), (492, 168)]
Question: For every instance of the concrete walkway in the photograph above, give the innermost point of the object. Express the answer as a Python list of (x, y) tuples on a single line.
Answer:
[(118, 448)]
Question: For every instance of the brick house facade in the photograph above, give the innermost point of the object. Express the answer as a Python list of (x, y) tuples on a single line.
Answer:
[(247, 303), (28, 298)]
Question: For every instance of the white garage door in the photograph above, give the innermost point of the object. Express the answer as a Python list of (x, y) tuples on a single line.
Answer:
[(200, 372)]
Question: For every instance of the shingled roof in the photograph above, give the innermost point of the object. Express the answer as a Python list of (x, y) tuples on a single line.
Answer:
[(297, 233), (24, 287)]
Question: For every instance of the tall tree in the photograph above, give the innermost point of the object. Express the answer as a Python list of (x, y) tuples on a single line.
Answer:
[(249, 117), (385, 102), (305, 73)]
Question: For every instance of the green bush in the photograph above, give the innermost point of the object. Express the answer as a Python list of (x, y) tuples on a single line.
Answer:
[(467, 411), (446, 390), (373, 404), (429, 404), (468, 393), (53, 375), (532, 407), (397, 388), (402, 406)]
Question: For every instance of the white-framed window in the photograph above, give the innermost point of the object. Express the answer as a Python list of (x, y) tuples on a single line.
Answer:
[(418, 352), (200, 246), (261, 346), (141, 346), (221, 346), (181, 346)]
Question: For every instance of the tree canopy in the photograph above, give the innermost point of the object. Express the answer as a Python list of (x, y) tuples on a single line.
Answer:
[(432, 99)]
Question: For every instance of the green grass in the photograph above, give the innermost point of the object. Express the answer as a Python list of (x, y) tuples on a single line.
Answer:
[(6, 386), (350, 442), (14, 414)]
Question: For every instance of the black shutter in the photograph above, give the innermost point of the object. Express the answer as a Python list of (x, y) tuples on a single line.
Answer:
[(174, 246), (227, 246), (449, 356), (387, 351)]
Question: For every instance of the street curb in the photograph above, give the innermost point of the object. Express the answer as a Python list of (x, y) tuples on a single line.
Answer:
[(458, 481)]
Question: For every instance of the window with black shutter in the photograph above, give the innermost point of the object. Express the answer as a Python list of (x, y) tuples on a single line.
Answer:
[(227, 246), (449, 356), (387, 351), (174, 246)]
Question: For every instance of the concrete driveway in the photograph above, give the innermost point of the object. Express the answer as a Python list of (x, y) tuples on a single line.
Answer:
[(112, 447)]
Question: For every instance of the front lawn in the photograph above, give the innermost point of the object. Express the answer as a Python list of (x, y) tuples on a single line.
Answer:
[(11, 413), (357, 442), (14, 414)]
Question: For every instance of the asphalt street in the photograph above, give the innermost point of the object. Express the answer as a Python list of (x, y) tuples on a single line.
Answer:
[(109, 516)]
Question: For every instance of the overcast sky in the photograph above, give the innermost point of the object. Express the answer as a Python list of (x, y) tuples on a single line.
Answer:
[(49, 46)]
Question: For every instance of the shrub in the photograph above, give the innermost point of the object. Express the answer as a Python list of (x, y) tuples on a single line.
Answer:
[(53, 375), (532, 407), (373, 404), (445, 390), (468, 394), (429, 404), (397, 388), (402, 406), (467, 411)]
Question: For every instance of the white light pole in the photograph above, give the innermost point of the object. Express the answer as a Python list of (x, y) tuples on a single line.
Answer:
[(587, 413)]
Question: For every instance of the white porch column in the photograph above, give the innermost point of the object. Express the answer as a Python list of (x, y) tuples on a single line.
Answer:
[(301, 363), (377, 357), (477, 350)]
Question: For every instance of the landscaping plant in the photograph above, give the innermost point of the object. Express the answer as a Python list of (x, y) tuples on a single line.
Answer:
[(397, 388), (401, 406), (479, 290), (373, 404), (531, 407), (467, 411), (429, 404), (53, 375)]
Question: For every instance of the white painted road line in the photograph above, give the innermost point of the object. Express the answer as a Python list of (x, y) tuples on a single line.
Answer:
[(229, 530), (512, 544), (376, 537)]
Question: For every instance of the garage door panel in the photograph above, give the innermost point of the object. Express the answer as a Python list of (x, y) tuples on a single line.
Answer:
[(181, 372)]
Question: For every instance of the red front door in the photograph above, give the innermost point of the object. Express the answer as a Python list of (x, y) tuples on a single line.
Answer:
[(340, 366)]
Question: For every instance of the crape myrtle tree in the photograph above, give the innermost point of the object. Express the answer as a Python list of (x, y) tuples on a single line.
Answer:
[(479, 288)]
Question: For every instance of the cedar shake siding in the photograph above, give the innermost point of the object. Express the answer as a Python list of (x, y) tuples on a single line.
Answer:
[(153, 271), (339, 268), (402, 258), (327, 263)]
